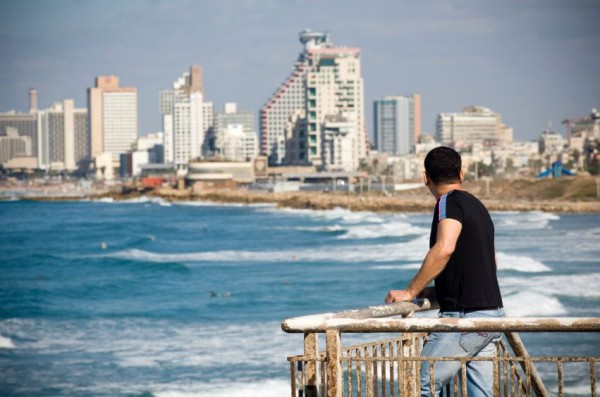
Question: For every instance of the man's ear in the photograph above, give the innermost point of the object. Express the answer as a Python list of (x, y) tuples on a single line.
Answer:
[(462, 175), (425, 178)]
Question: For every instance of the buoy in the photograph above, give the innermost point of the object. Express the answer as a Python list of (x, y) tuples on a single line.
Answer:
[(103, 245)]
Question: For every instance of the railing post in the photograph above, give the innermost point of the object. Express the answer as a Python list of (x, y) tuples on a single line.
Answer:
[(334, 367), (311, 352), (519, 349)]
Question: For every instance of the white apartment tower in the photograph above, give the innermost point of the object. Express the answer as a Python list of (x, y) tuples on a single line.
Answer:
[(186, 119), (397, 123), (112, 117), (326, 82), (235, 134), (12, 145), (339, 143), (63, 136), (474, 125)]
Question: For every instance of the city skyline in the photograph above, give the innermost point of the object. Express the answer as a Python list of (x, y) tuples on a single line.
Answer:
[(532, 62)]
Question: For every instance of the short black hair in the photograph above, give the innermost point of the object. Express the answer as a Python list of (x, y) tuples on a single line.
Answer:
[(443, 165)]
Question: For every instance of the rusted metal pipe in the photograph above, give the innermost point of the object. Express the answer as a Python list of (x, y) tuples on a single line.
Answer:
[(377, 325), (395, 309), (311, 351), (334, 367), (520, 351)]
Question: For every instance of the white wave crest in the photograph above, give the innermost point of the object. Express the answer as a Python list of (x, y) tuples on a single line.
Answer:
[(533, 220), (408, 266), (331, 228), (571, 285), (520, 263), (137, 200), (410, 250), (337, 214), (389, 229), (217, 204), (266, 388), (532, 304), (6, 343)]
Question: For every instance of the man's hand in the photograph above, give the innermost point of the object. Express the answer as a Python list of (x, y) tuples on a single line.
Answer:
[(396, 295)]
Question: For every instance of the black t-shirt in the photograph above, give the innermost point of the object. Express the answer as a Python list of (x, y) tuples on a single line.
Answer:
[(469, 279)]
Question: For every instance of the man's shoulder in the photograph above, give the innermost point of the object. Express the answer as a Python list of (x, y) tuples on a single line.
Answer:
[(466, 200)]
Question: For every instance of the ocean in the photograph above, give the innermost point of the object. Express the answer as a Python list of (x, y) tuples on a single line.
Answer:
[(151, 298)]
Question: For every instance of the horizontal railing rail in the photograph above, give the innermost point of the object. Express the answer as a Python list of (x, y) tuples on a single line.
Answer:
[(508, 324)]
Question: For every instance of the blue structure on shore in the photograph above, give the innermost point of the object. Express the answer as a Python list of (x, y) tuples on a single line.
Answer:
[(556, 170)]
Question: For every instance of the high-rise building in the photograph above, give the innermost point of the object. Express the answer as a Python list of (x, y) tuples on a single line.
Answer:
[(112, 117), (326, 81), (235, 135), (185, 119), (474, 125), (63, 136), (12, 145), (397, 123), (25, 124), (338, 143)]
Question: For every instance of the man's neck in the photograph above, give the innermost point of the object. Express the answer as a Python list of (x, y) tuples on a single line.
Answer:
[(439, 190)]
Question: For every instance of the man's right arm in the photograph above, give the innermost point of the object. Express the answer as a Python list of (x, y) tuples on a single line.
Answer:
[(435, 261)]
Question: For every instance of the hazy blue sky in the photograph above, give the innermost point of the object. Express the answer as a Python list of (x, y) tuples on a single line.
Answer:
[(531, 61)]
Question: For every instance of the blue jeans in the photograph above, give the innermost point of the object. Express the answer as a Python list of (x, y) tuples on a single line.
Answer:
[(473, 344)]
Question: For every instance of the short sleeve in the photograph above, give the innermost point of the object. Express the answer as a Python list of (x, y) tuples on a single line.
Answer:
[(449, 208)]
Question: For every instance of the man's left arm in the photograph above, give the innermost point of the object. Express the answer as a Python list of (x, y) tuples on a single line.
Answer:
[(448, 231)]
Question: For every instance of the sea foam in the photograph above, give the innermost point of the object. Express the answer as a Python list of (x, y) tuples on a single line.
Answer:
[(520, 263), (6, 343), (266, 388), (389, 229), (534, 220), (411, 250), (571, 285), (532, 304)]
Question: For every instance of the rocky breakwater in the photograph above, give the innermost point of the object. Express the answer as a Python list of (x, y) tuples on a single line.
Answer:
[(568, 195)]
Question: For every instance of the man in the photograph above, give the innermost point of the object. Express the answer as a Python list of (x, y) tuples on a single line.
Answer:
[(462, 261)]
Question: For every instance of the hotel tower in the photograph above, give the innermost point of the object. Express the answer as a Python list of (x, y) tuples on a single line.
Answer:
[(316, 116), (112, 117)]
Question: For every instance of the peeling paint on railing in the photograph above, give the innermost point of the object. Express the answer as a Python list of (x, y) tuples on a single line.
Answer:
[(375, 325)]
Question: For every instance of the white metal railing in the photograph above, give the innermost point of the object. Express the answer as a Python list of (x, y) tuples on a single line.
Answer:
[(391, 367)]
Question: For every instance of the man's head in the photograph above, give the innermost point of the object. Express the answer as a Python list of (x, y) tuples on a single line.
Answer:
[(443, 166)]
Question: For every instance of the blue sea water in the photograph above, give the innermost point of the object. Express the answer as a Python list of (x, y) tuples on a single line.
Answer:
[(151, 298)]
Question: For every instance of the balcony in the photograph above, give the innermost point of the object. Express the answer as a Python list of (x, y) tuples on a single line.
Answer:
[(391, 367)]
